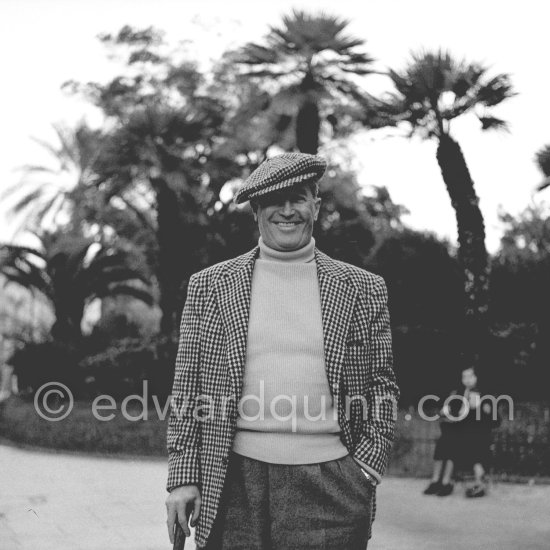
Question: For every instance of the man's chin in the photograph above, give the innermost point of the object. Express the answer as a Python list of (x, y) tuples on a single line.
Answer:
[(289, 242)]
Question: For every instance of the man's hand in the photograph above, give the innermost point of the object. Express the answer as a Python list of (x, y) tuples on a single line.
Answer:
[(181, 501)]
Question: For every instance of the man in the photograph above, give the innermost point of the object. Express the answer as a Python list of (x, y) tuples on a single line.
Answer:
[(284, 394)]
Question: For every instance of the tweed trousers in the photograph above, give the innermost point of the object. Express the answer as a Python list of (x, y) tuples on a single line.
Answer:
[(323, 506)]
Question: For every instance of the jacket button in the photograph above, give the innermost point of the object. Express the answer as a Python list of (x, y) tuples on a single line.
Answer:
[(225, 460)]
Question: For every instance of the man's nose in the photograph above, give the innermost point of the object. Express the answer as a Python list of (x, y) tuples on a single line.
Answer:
[(288, 208)]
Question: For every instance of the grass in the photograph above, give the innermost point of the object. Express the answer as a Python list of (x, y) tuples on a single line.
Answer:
[(81, 431), (521, 446)]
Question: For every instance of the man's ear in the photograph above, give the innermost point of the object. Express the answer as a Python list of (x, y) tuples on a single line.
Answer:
[(317, 207)]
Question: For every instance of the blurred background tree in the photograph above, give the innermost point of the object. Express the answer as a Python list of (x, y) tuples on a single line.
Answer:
[(156, 184), (163, 139), (74, 270), (306, 68), (72, 273), (352, 224), (47, 192), (520, 302), (430, 92), (123, 215)]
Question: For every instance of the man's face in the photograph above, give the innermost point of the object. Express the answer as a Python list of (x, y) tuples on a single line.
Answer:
[(285, 218)]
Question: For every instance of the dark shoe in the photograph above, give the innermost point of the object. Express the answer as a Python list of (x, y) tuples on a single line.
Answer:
[(476, 491), (445, 489), (432, 488)]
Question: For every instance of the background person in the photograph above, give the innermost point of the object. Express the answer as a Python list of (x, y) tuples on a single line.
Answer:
[(473, 451), (445, 453), (466, 424)]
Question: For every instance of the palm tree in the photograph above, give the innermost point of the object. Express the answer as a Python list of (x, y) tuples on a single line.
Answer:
[(309, 64), (45, 191), (24, 266), (431, 91), (68, 184), (168, 149), (164, 135), (73, 271), (542, 159)]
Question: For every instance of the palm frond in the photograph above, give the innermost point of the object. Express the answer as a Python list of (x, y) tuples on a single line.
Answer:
[(52, 149), (20, 265), (76, 152), (496, 90), (69, 151), (493, 123), (49, 208), (17, 188), (542, 159), (301, 38), (36, 169), (434, 88), (254, 54), (24, 201), (265, 73), (300, 31)]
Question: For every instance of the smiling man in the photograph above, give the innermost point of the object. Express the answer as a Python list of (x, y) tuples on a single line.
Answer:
[(285, 217), (291, 350)]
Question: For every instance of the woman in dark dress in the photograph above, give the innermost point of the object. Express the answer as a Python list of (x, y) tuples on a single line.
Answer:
[(466, 423), (445, 448), (473, 450)]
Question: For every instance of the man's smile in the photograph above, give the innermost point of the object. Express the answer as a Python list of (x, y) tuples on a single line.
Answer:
[(287, 225)]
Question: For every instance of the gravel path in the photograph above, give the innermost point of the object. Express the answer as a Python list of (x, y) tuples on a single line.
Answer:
[(74, 502)]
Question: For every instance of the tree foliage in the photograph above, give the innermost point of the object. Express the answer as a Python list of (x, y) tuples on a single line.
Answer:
[(308, 68), (435, 88), (431, 91), (73, 270), (164, 135)]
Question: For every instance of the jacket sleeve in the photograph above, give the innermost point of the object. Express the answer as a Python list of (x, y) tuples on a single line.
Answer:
[(183, 436), (382, 392)]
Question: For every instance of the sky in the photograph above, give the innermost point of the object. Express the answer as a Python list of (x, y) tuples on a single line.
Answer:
[(45, 43)]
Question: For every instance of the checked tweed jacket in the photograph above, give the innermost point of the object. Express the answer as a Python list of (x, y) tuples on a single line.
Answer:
[(211, 357)]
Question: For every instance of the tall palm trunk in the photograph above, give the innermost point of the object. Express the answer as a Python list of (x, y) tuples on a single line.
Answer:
[(169, 235), (472, 253), (307, 127), (68, 302), (308, 123), (66, 328)]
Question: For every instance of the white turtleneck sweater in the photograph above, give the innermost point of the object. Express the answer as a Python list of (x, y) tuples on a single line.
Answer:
[(286, 413)]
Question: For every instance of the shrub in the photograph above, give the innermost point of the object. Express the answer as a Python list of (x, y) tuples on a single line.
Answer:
[(38, 363), (123, 366), (97, 366)]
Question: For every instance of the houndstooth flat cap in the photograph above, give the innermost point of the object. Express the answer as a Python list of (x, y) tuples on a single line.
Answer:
[(279, 172)]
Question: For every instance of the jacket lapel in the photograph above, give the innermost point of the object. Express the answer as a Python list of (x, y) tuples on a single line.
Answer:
[(233, 297), (337, 296), (338, 299)]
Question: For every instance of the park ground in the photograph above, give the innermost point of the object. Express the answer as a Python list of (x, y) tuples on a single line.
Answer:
[(65, 501)]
